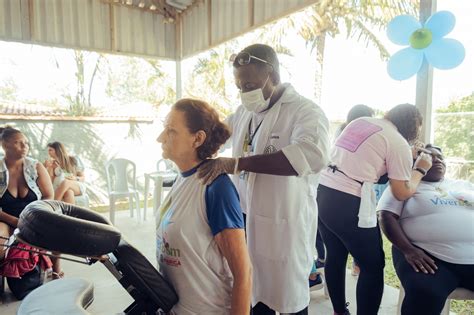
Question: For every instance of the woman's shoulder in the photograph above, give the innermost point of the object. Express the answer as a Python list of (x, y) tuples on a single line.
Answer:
[(31, 160), (221, 180), (222, 185), (32, 163)]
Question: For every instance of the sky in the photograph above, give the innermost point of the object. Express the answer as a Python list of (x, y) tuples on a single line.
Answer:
[(353, 73)]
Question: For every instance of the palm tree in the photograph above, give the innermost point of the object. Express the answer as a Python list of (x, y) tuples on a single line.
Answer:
[(133, 79), (326, 17), (80, 102), (209, 78)]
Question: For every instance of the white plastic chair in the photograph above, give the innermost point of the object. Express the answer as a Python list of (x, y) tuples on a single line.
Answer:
[(163, 178), (457, 294), (122, 183), (82, 200)]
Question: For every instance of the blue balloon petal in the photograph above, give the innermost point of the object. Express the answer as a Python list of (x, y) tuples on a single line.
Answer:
[(441, 23), (405, 63), (445, 53), (401, 27)]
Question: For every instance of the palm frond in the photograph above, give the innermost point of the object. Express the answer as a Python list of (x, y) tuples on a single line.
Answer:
[(362, 32)]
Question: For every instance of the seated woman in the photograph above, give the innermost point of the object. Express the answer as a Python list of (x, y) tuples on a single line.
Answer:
[(201, 246), (66, 174), (22, 181), (432, 237)]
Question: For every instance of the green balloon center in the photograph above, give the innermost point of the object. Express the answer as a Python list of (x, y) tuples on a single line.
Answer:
[(421, 38)]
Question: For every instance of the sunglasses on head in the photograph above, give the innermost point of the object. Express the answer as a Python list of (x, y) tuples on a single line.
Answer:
[(244, 58)]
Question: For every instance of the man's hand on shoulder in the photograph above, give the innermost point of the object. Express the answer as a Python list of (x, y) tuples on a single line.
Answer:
[(210, 170)]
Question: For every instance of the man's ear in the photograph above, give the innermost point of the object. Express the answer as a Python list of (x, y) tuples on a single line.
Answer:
[(199, 138)]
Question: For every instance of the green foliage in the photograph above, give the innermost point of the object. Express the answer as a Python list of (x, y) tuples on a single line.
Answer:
[(454, 128), (209, 79), (8, 90), (79, 102), (357, 17), (132, 80), (463, 105), (329, 17)]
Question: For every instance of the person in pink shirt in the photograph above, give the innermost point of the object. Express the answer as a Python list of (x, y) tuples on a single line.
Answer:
[(367, 149), (315, 280)]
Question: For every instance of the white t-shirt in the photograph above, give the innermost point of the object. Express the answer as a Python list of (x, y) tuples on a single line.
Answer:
[(188, 255), (438, 219), (367, 149)]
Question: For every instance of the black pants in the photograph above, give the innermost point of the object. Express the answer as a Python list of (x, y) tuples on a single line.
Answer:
[(320, 247), (338, 218), (263, 309), (426, 293)]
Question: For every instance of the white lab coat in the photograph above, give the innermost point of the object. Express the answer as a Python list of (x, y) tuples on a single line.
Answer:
[(281, 210)]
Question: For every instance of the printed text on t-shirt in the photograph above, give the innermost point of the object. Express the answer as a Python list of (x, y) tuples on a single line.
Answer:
[(355, 134)]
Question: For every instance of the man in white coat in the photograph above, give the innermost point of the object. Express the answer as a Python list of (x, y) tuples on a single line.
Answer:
[(279, 142)]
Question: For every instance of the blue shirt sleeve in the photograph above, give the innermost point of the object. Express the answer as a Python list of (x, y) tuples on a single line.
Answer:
[(223, 205)]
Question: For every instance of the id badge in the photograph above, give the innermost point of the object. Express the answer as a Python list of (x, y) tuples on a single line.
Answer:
[(247, 152)]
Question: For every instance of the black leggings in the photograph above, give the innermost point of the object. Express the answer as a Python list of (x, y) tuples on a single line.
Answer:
[(262, 309), (426, 293), (320, 247), (338, 217)]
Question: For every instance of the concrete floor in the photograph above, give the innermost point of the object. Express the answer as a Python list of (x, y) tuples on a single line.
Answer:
[(111, 298)]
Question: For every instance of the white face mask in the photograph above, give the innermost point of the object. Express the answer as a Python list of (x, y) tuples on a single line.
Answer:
[(253, 101)]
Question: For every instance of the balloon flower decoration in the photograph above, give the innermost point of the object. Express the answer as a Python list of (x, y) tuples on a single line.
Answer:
[(425, 41)]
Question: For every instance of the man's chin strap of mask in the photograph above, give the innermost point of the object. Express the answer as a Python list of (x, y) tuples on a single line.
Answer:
[(254, 101), (267, 101)]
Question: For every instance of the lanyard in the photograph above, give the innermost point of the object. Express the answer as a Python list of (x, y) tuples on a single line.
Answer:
[(252, 135)]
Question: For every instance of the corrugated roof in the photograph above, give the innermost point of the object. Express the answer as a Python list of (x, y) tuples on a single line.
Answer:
[(132, 27), (15, 109)]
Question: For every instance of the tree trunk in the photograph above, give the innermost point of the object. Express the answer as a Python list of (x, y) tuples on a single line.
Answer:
[(89, 94), (318, 74)]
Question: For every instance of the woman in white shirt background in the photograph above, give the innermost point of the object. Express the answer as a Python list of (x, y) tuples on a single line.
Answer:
[(433, 238), (66, 173)]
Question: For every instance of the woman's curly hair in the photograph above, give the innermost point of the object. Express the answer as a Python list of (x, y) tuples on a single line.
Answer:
[(407, 118), (201, 116)]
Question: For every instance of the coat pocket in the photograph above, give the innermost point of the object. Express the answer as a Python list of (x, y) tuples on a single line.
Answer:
[(271, 238)]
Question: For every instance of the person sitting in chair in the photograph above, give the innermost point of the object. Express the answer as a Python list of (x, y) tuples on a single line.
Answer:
[(66, 174), (432, 237), (22, 181), (201, 246)]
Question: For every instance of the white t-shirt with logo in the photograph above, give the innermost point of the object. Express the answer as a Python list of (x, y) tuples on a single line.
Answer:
[(367, 149), (188, 256), (438, 218)]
